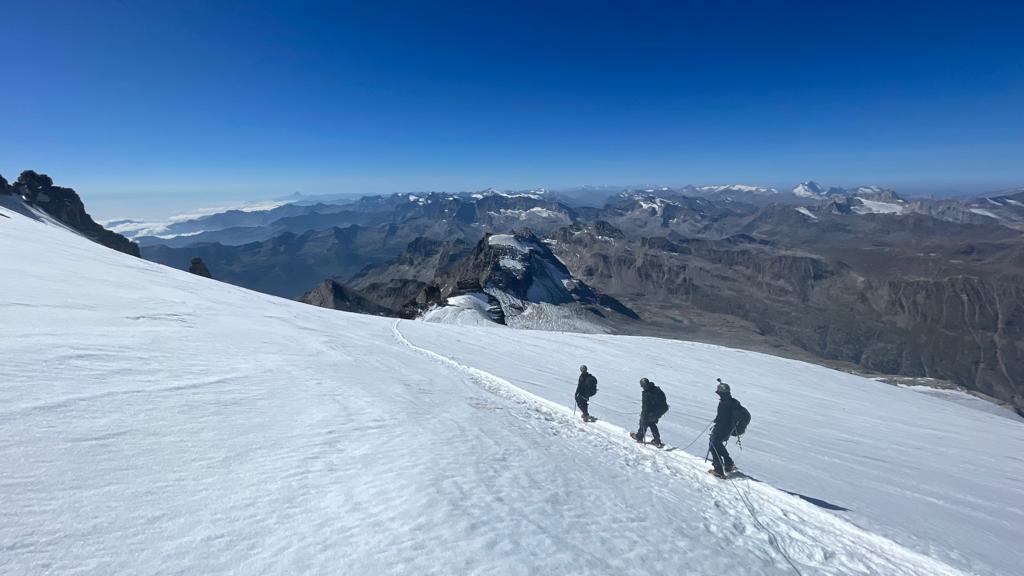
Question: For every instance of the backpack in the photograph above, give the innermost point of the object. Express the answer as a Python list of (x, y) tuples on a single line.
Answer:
[(660, 402), (742, 418), (591, 386)]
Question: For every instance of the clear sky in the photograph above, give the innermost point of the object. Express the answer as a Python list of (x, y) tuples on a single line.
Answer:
[(156, 102)]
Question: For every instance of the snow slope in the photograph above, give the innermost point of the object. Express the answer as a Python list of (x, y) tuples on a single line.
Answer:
[(156, 422)]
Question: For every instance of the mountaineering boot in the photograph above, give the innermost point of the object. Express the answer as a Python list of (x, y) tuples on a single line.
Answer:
[(730, 468), (634, 436), (657, 444), (716, 474)]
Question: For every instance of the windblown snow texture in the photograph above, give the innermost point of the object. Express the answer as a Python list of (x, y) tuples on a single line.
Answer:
[(153, 421)]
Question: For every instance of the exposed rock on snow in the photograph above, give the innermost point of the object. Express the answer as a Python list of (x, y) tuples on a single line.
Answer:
[(333, 295), (198, 267)]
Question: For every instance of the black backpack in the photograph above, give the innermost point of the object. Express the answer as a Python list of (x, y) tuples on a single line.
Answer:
[(590, 388), (660, 402), (742, 418)]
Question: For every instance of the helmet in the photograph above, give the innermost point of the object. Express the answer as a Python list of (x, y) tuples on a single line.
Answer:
[(583, 368), (723, 388), (645, 382)]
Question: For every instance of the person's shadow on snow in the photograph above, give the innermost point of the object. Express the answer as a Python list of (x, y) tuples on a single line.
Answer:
[(816, 501)]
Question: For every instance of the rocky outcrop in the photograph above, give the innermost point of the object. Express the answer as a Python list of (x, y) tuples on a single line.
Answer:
[(336, 296), (518, 270), (400, 294), (198, 267), (64, 205), (423, 260)]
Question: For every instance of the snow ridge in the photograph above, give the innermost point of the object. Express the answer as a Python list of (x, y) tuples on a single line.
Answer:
[(795, 529)]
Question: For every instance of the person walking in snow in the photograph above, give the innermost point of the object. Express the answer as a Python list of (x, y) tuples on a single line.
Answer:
[(653, 406), (729, 411), (585, 388)]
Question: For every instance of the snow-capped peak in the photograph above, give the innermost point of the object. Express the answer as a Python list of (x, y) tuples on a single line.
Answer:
[(718, 188), (809, 189)]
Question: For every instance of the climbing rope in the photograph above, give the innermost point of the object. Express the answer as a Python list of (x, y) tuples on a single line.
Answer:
[(771, 536), (699, 435), (757, 521)]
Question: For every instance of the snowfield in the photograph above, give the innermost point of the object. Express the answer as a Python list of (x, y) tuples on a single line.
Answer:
[(877, 207), (157, 422)]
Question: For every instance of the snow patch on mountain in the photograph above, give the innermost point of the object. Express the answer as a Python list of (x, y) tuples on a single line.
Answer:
[(722, 188), (806, 212), (876, 207), (983, 212), (512, 264), (509, 241)]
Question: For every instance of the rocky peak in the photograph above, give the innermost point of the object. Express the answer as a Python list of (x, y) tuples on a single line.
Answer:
[(64, 205), (519, 270), (809, 189)]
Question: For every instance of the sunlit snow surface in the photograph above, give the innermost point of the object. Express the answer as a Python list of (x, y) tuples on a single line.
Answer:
[(876, 207), (156, 422)]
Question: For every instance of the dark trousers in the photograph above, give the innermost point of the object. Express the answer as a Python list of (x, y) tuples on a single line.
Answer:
[(652, 423), (583, 402), (719, 455)]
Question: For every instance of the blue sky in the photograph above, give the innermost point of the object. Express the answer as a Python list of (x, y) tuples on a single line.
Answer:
[(145, 104)]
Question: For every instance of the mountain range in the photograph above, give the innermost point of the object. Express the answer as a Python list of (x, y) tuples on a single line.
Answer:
[(860, 278)]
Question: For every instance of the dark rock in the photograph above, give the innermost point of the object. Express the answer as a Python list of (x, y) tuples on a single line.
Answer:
[(336, 296), (198, 267), (64, 205)]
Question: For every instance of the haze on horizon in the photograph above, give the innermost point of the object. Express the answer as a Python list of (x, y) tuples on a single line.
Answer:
[(157, 107)]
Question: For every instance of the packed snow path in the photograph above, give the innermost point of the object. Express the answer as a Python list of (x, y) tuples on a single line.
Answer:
[(154, 422)]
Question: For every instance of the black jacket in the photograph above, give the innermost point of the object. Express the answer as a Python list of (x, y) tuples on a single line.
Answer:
[(725, 420), (651, 403), (584, 382)]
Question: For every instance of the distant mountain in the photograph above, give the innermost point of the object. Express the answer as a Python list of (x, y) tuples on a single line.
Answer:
[(518, 275), (286, 265)]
